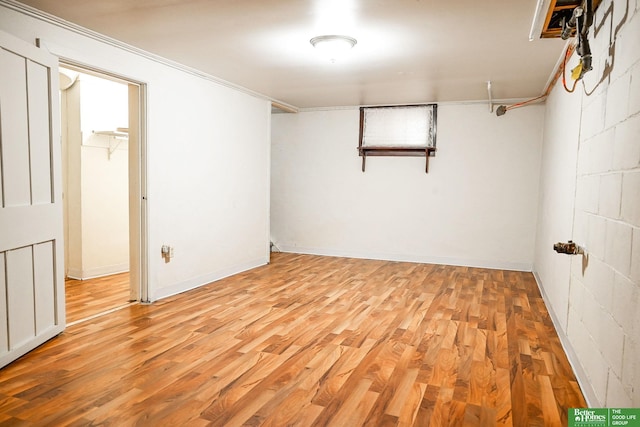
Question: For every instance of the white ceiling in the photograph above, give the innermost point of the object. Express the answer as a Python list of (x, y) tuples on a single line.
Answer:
[(408, 51)]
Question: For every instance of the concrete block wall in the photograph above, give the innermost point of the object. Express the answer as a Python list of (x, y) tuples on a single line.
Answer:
[(603, 325)]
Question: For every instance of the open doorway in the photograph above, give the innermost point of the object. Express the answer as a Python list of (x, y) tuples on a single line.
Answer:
[(103, 204)]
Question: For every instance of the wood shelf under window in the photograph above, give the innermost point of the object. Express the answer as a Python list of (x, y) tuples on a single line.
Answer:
[(397, 151)]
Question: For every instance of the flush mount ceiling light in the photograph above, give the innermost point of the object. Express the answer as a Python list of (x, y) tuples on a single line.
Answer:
[(333, 47)]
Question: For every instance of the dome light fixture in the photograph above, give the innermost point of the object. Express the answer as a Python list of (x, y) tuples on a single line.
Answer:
[(333, 46)]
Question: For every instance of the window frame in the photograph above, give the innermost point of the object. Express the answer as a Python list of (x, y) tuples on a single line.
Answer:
[(426, 151)]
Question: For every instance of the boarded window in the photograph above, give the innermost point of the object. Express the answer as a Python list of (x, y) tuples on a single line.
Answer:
[(408, 130)]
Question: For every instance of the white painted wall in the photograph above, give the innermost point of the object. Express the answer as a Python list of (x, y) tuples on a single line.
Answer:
[(590, 185), (100, 217), (208, 159), (556, 204), (475, 207)]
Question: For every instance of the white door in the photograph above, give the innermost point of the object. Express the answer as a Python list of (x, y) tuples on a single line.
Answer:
[(31, 247)]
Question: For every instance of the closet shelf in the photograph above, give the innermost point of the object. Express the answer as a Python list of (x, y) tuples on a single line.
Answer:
[(113, 133), (118, 135)]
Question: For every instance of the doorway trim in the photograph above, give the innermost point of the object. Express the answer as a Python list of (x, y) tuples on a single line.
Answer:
[(138, 209)]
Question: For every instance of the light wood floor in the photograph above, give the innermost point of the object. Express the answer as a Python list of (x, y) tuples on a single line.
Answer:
[(86, 298), (309, 341)]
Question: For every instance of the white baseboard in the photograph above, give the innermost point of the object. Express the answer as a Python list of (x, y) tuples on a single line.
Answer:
[(574, 361), (93, 273), (422, 259), (196, 282)]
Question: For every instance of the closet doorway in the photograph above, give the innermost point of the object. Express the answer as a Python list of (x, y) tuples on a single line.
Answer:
[(104, 210)]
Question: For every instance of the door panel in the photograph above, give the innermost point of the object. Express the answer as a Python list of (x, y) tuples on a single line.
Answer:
[(15, 131), (31, 246), (43, 275), (39, 136), (4, 326), (22, 322)]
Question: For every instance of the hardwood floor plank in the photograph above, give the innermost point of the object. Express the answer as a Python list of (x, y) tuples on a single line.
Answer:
[(397, 403), (504, 408), (356, 407), (308, 340), (85, 298), (550, 408)]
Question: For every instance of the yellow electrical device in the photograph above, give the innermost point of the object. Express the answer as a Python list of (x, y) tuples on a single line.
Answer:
[(576, 73)]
